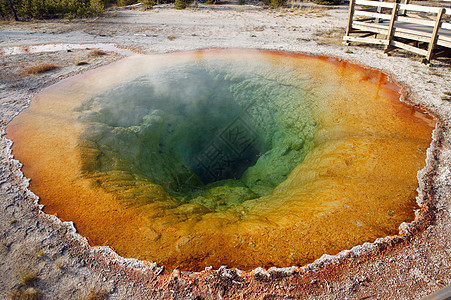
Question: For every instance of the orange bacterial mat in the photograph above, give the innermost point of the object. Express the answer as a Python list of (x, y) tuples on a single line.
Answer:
[(244, 158)]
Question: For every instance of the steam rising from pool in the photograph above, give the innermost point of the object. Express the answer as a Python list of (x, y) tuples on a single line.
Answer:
[(243, 158), (214, 133)]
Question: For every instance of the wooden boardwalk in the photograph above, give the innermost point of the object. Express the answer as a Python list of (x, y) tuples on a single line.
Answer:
[(425, 30)]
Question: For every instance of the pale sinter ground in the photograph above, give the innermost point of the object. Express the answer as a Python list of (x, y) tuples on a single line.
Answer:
[(39, 256)]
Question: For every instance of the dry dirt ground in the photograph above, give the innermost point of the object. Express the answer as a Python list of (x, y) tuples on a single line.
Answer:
[(41, 257)]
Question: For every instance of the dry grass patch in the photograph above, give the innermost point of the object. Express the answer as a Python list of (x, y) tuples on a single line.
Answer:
[(26, 290), (25, 294), (447, 96), (80, 62), (330, 33), (38, 69), (331, 36), (97, 52), (29, 278), (97, 295), (311, 11)]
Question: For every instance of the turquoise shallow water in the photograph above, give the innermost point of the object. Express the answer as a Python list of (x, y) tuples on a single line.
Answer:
[(216, 133)]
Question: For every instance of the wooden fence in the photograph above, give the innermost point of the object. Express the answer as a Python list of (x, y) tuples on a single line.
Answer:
[(424, 30)]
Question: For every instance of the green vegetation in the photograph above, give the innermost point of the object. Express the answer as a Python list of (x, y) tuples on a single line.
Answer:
[(39, 9), (180, 4), (275, 3), (278, 3), (327, 2), (22, 10), (126, 2), (147, 4)]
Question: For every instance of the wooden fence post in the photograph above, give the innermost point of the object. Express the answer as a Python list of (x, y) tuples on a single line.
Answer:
[(393, 17), (403, 12), (350, 16), (379, 11), (438, 23)]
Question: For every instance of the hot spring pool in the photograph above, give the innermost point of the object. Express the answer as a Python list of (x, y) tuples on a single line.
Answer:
[(243, 158)]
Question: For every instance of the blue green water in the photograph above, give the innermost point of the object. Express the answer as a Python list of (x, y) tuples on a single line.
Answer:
[(215, 133)]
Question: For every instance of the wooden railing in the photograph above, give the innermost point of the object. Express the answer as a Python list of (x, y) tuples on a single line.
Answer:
[(420, 29)]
